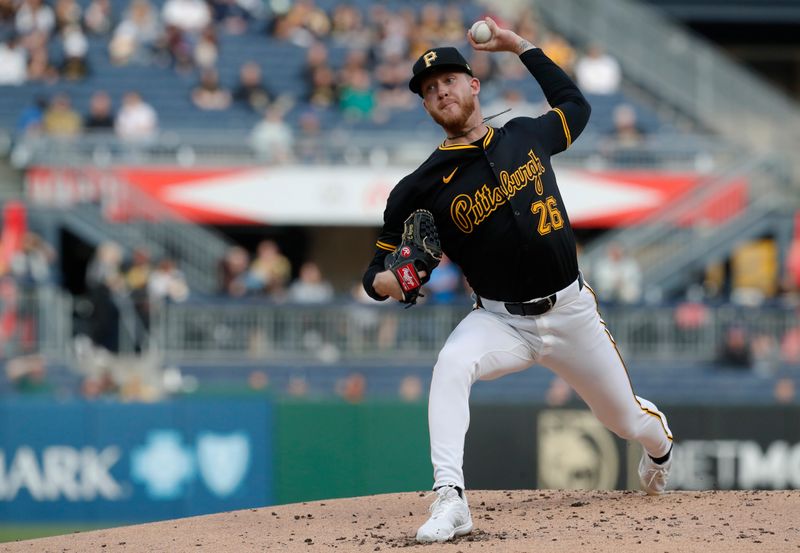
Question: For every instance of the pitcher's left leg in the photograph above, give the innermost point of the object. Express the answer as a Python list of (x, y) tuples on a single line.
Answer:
[(581, 350)]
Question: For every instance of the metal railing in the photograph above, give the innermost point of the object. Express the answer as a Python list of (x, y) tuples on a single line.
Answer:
[(342, 147), (229, 331), (234, 332), (34, 321)]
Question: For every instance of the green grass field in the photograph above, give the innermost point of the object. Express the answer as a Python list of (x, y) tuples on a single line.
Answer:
[(16, 532)]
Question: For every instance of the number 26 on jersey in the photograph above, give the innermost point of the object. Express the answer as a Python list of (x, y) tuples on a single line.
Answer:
[(549, 216)]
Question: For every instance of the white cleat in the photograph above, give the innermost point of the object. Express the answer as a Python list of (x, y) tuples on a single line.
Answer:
[(450, 517), (652, 475)]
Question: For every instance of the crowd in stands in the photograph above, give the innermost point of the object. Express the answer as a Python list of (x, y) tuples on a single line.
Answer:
[(41, 42), (49, 41)]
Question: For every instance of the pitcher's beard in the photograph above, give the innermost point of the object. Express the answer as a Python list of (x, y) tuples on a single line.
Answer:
[(456, 123)]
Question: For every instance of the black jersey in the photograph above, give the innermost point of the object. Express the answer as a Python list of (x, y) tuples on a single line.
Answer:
[(496, 203)]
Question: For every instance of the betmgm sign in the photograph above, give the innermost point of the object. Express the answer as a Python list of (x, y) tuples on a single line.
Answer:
[(724, 448)]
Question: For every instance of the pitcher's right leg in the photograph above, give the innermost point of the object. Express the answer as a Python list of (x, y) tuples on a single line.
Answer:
[(482, 346)]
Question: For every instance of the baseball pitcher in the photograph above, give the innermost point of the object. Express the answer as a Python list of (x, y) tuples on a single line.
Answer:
[(499, 215)]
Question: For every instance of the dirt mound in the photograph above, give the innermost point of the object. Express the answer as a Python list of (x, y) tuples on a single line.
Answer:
[(505, 521)]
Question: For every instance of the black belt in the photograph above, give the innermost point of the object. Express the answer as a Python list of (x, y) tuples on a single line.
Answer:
[(538, 307)]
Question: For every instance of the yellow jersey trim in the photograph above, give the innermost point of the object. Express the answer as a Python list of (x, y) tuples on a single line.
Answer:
[(488, 137), (486, 140), (456, 147), (564, 124), (385, 246)]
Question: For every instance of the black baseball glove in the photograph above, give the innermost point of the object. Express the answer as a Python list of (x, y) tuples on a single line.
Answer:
[(419, 250)]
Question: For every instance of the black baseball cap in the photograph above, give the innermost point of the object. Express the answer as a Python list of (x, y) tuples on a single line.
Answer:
[(445, 57)]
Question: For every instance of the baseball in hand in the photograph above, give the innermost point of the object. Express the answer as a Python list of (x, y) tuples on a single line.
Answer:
[(480, 31)]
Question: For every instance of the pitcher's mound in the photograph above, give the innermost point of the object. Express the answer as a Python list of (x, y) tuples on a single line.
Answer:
[(521, 521)]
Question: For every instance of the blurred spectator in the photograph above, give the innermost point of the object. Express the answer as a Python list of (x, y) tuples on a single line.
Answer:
[(736, 351), (320, 80), (39, 67), (100, 117), (791, 280), (560, 51), (597, 72), (617, 276), (9, 316), (13, 63), (790, 346), (347, 27), (98, 18), (74, 66), (316, 56), (444, 285), (303, 24), (233, 272), (392, 33), (429, 28), (352, 388), (206, 51), (28, 374), (272, 138), (258, 380), (67, 13), (785, 391), (453, 28), (35, 16), (370, 322), (270, 270), (558, 393), (104, 284), (355, 63), (60, 120), (626, 131), (410, 389), (307, 144), (94, 387), (32, 265), (191, 16), (137, 279), (754, 272), (167, 284), (136, 120), (766, 356), (234, 16), (692, 317), (310, 287), (8, 9), (297, 386), (391, 76), (357, 98), (323, 92), (514, 100), (136, 35), (623, 144), (251, 91), (209, 95), (484, 67), (176, 46), (31, 119)]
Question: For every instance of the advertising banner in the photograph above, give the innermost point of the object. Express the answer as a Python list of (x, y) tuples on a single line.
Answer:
[(81, 461), (722, 448), (347, 195)]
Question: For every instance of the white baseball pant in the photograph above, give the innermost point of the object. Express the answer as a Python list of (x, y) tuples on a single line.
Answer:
[(570, 339)]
